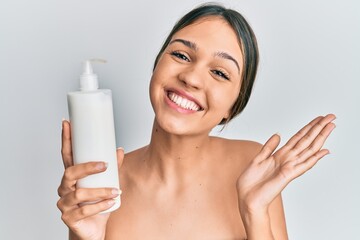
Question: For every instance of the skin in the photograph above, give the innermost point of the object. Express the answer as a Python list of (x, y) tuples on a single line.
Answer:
[(186, 184)]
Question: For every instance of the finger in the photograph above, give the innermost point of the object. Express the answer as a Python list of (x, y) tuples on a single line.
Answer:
[(66, 149), (82, 195), (318, 143), (304, 166), (86, 211), (292, 141), (283, 179), (309, 137), (73, 173), (120, 156), (268, 148)]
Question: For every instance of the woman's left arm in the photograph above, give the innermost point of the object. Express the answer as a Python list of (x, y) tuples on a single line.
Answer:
[(277, 218), (260, 185)]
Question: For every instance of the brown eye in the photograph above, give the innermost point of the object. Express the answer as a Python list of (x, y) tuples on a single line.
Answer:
[(180, 56), (220, 74)]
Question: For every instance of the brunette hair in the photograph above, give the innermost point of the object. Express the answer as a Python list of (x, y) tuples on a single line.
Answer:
[(247, 43)]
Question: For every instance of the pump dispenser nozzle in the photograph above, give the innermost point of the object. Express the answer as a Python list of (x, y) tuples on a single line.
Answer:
[(88, 79)]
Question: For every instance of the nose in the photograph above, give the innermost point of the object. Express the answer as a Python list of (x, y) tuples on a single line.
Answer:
[(192, 78)]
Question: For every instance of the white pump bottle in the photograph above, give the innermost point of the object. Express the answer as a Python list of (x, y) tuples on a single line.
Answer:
[(93, 131)]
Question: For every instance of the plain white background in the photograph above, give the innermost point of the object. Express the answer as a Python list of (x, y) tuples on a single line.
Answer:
[(309, 66)]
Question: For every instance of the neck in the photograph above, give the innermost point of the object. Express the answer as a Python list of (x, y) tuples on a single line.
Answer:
[(173, 158)]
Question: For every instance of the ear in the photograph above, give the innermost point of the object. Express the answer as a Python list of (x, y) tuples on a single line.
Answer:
[(227, 114)]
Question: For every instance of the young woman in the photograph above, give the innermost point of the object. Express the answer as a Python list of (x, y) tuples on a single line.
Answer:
[(186, 184)]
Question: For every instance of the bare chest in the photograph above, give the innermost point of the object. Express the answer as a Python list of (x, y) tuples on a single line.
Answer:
[(200, 213)]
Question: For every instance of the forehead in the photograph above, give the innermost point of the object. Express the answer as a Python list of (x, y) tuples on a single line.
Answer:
[(212, 33)]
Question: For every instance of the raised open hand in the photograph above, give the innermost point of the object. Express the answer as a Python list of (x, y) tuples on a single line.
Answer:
[(269, 173)]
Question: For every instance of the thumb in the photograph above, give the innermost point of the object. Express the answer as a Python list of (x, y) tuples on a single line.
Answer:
[(120, 156)]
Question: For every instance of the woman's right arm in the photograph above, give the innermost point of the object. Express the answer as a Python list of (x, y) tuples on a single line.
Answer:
[(83, 221)]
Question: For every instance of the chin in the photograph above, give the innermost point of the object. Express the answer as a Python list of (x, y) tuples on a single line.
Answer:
[(181, 127), (174, 126)]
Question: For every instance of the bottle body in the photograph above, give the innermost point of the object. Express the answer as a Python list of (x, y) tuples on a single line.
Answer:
[(93, 137)]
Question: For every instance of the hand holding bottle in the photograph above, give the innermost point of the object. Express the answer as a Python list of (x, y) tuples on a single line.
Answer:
[(84, 220)]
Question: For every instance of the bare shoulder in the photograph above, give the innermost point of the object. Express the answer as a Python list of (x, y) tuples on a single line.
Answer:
[(131, 159), (129, 156), (237, 152), (244, 148)]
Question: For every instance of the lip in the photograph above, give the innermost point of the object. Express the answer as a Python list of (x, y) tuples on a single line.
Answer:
[(182, 94)]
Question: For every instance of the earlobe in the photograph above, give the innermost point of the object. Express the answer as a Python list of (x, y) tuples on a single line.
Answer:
[(226, 118)]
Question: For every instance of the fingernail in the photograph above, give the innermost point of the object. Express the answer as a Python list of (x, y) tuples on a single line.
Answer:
[(115, 191), (101, 165), (111, 202), (120, 148), (278, 134)]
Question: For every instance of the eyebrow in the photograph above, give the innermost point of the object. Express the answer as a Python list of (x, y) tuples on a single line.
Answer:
[(193, 46), (227, 56), (187, 43)]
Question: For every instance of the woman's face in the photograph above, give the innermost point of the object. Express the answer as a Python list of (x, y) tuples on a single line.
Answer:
[(197, 78)]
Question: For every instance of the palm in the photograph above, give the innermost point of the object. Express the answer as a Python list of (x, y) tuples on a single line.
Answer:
[(269, 173)]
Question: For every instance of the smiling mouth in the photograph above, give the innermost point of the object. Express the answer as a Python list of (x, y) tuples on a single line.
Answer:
[(183, 102)]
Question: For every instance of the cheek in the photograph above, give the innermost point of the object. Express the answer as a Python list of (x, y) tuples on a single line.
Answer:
[(151, 87), (163, 74), (167, 68), (154, 90), (234, 94), (224, 100), (158, 75), (158, 81)]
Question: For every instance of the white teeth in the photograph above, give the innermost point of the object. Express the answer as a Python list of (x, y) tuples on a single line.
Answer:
[(183, 102)]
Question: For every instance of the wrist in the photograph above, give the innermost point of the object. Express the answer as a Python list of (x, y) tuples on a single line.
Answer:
[(73, 236), (257, 223), (253, 209), (254, 217)]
